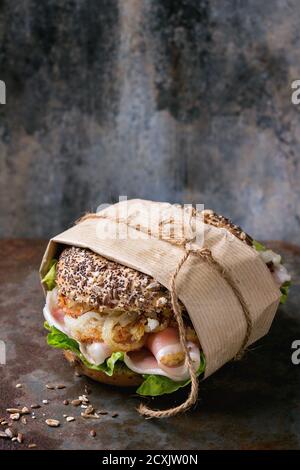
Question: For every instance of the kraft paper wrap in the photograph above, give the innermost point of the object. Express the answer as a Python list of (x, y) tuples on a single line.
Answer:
[(214, 309)]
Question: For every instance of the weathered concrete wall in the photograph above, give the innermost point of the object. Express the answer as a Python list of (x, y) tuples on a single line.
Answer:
[(186, 101)]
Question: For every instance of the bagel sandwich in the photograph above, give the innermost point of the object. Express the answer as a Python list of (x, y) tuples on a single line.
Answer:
[(116, 325)]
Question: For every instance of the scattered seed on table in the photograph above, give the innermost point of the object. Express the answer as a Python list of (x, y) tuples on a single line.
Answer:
[(45, 402), (77, 374), (23, 420), (13, 410), (20, 438), (66, 402), (31, 446), (19, 386), (60, 386), (35, 406), (64, 416), (9, 432), (83, 398), (3, 423), (89, 410), (70, 418), (50, 386), (25, 410), (76, 402), (115, 415), (102, 412), (4, 435), (93, 433), (53, 423), (90, 416), (15, 416)]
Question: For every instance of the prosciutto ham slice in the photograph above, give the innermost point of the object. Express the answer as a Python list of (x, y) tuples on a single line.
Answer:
[(164, 344), (143, 362), (52, 313)]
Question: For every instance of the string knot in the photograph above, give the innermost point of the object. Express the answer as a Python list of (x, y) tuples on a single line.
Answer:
[(195, 249)]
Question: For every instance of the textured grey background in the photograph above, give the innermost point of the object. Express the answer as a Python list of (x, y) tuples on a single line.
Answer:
[(186, 101)]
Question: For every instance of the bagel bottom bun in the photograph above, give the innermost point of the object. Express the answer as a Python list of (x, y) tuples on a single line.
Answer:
[(121, 377)]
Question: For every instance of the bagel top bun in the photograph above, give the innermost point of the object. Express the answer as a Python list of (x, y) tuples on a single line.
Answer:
[(87, 278)]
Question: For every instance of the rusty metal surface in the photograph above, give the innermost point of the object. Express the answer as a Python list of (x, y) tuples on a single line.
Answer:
[(252, 404)]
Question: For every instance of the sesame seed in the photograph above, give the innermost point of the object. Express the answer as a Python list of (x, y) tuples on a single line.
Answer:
[(53, 423), (76, 402), (25, 410), (15, 416), (60, 386), (70, 418), (9, 432), (50, 387)]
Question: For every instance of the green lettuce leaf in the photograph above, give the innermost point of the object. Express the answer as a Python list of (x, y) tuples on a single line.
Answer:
[(284, 291), (111, 362), (59, 340), (258, 246), (50, 277), (155, 385)]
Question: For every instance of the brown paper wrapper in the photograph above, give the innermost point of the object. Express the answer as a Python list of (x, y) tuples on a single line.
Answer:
[(213, 307)]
